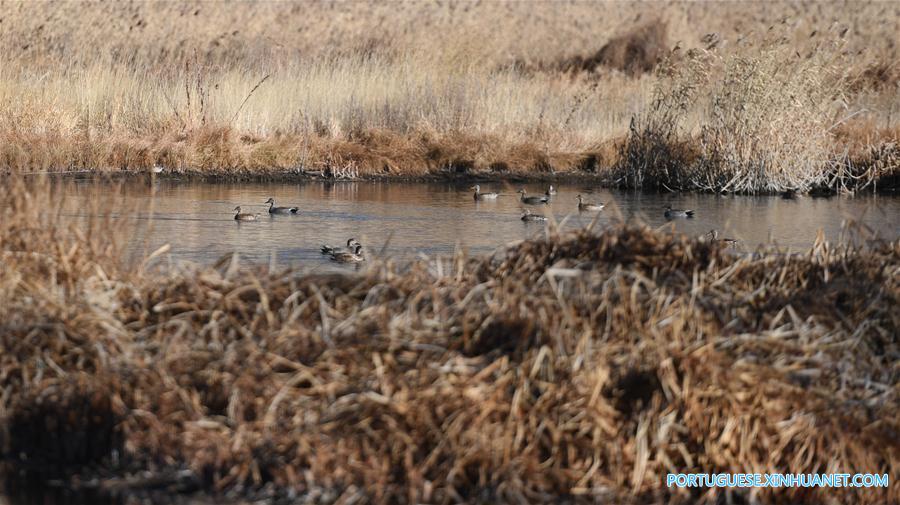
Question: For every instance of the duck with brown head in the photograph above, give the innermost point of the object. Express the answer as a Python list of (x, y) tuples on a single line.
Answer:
[(327, 249), (588, 206), (354, 256), (479, 196), (242, 216), (527, 215)]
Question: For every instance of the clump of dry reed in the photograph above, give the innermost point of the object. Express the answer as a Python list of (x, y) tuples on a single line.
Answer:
[(760, 120), (577, 367)]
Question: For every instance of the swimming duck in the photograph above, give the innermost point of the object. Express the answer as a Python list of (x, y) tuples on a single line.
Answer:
[(279, 210), (672, 213), (714, 236), (533, 200), (528, 216), (483, 196), (347, 256), (327, 249), (587, 206), (239, 216)]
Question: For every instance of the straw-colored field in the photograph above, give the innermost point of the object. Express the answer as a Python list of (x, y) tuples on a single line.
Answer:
[(576, 368), (751, 96)]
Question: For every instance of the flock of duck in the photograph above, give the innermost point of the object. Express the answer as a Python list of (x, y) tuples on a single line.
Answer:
[(352, 253), (583, 206), (544, 199)]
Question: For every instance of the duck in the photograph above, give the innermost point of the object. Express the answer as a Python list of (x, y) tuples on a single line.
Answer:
[(714, 236), (483, 196), (239, 216), (327, 249), (587, 206), (528, 216), (279, 210), (354, 256), (533, 200), (672, 213)]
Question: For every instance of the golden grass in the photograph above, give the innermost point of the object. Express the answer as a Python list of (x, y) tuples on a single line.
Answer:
[(388, 90), (580, 367)]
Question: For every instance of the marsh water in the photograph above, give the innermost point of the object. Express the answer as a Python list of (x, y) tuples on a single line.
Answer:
[(406, 220)]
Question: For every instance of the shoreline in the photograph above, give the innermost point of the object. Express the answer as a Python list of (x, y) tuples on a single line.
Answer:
[(601, 181)]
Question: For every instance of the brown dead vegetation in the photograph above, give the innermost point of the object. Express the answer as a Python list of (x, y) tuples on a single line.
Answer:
[(219, 151), (489, 90), (581, 367), (634, 52)]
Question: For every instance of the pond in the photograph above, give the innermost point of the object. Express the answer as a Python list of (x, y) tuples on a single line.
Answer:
[(405, 220)]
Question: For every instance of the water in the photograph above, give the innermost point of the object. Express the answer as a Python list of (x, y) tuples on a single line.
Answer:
[(405, 220)]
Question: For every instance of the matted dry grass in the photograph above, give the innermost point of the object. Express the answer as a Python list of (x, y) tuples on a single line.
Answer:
[(580, 367)]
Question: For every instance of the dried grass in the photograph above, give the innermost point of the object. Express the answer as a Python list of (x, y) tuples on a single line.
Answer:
[(760, 120), (388, 90), (581, 367)]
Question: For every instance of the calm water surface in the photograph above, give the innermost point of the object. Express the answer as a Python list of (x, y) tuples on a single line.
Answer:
[(409, 219)]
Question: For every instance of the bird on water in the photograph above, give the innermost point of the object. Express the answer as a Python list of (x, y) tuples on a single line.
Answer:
[(587, 206), (483, 196), (672, 213), (242, 216), (354, 256), (351, 242), (280, 210), (533, 200)]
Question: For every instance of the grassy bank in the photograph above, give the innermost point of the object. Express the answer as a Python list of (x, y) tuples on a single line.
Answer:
[(579, 367), (492, 89)]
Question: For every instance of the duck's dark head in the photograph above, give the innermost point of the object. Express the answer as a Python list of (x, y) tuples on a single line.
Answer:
[(237, 209), (271, 200)]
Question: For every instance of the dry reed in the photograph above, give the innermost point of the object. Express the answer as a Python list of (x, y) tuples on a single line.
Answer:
[(430, 90), (580, 367)]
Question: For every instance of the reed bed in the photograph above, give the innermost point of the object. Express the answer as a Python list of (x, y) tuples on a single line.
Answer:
[(457, 89), (578, 367), (764, 121)]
